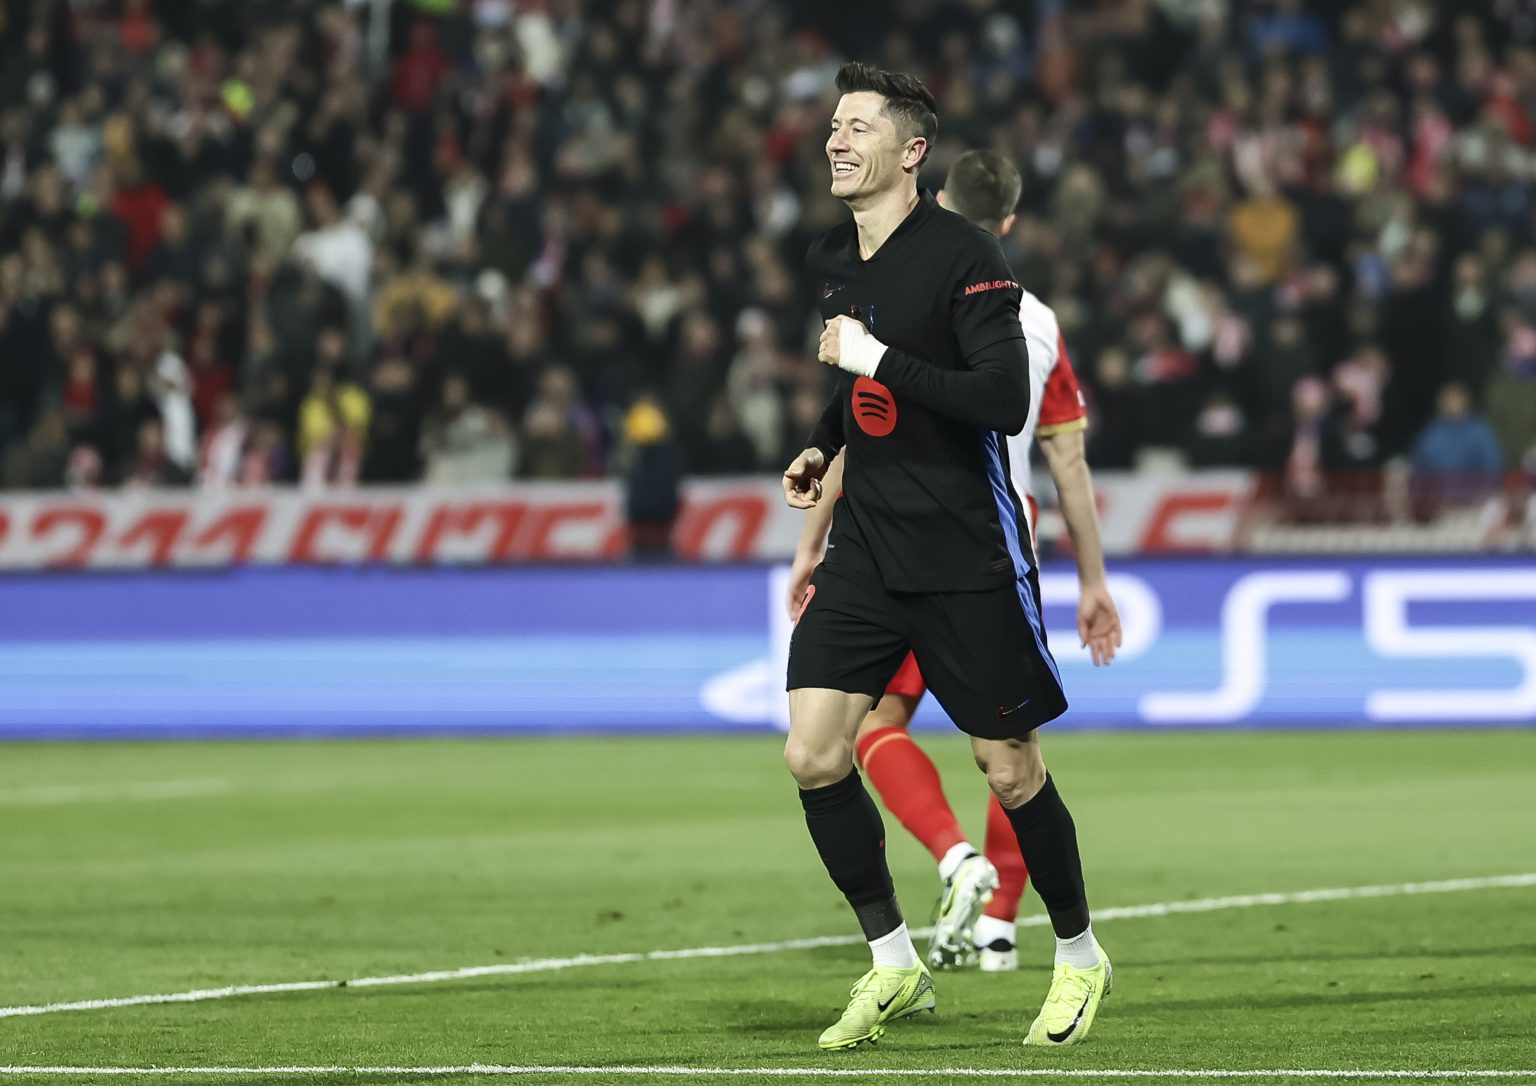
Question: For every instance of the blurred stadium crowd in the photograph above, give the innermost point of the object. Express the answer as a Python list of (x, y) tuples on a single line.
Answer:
[(469, 240)]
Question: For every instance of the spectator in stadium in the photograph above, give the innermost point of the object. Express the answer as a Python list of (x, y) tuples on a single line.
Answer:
[(1457, 440), (1511, 390), (552, 447), (652, 472), (1361, 429), (212, 374), (23, 332), (1263, 229), (333, 429), (338, 248), (1472, 334), (1115, 412), (262, 216), (174, 259), (1200, 179), (697, 371), (82, 392), (474, 349), (1456, 459), (223, 445), (265, 460), (753, 384), (722, 448), (1169, 376), (413, 302), (463, 442), (153, 465), (560, 433), (1220, 434), (170, 384), (1310, 409), (394, 442), (75, 143), (39, 462), (138, 202), (116, 432)]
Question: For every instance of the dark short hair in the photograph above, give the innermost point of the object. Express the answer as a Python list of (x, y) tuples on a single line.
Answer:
[(907, 101), (983, 186)]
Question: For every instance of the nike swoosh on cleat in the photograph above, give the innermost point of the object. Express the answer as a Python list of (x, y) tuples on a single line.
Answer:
[(888, 1002), (1064, 1034)]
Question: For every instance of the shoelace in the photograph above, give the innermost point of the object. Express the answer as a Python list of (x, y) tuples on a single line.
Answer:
[(1074, 989), (863, 984)]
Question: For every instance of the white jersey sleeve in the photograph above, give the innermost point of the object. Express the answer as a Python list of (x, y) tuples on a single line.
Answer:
[(1042, 334)]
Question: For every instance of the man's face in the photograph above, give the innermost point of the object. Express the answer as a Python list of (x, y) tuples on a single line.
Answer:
[(865, 150)]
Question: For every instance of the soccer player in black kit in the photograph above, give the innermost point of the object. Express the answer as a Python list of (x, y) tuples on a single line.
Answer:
[(927, 548)]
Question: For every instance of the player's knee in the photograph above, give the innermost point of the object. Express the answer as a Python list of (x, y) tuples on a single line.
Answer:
[(1015, 783), (817, 765)]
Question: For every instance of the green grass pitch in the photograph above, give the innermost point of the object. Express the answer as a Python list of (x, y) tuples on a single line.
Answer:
[(156, 868)]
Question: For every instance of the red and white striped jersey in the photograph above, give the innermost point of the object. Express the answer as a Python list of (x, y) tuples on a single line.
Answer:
[(1056, 402)]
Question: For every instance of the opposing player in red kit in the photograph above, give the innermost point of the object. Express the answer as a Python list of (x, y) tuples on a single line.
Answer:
[(984, 187), (926, 553)]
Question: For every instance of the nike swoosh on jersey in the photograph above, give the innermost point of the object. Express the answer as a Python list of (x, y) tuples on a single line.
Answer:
[(827, 289), (1002, 713), (1064, 1034)]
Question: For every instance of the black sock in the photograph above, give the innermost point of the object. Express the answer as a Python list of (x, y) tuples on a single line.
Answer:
[(1048, 840), (846, 828)]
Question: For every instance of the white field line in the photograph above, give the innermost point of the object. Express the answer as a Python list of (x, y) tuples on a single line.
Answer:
[(551, 965), (58, 794), (781, 1072)]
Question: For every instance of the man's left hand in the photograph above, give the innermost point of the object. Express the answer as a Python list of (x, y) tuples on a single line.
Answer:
[(1098, 623)]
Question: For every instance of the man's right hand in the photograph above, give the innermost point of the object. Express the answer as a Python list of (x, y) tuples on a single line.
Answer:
[(802, 479)]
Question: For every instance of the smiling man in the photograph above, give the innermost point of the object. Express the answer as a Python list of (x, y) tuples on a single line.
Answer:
[(926, 548)]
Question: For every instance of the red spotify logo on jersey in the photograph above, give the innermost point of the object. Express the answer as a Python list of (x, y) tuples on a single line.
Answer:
[(874, 408)]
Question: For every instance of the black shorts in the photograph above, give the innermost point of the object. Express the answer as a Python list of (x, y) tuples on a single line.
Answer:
[(983, 654)]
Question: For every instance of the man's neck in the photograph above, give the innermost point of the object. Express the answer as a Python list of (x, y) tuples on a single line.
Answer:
[(878, 219)]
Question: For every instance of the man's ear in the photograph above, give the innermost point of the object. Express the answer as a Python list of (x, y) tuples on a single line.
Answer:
[(1008, 221), (915, 152)]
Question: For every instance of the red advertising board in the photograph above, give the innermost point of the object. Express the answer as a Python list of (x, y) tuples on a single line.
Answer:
[(738, 519)]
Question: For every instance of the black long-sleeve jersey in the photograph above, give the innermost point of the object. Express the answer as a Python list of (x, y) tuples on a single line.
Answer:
[(926, 493)]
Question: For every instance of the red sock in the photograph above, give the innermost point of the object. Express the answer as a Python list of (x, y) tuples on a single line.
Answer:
[(1003, 851), (909, 787)]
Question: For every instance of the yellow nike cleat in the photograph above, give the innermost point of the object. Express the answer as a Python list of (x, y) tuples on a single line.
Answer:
[(882, 995), (1071, 1004)]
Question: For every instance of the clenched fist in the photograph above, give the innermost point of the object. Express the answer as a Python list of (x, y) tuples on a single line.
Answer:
[(848, 345)]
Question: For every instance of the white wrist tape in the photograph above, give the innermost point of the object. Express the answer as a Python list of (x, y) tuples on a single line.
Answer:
[(857, 350)]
